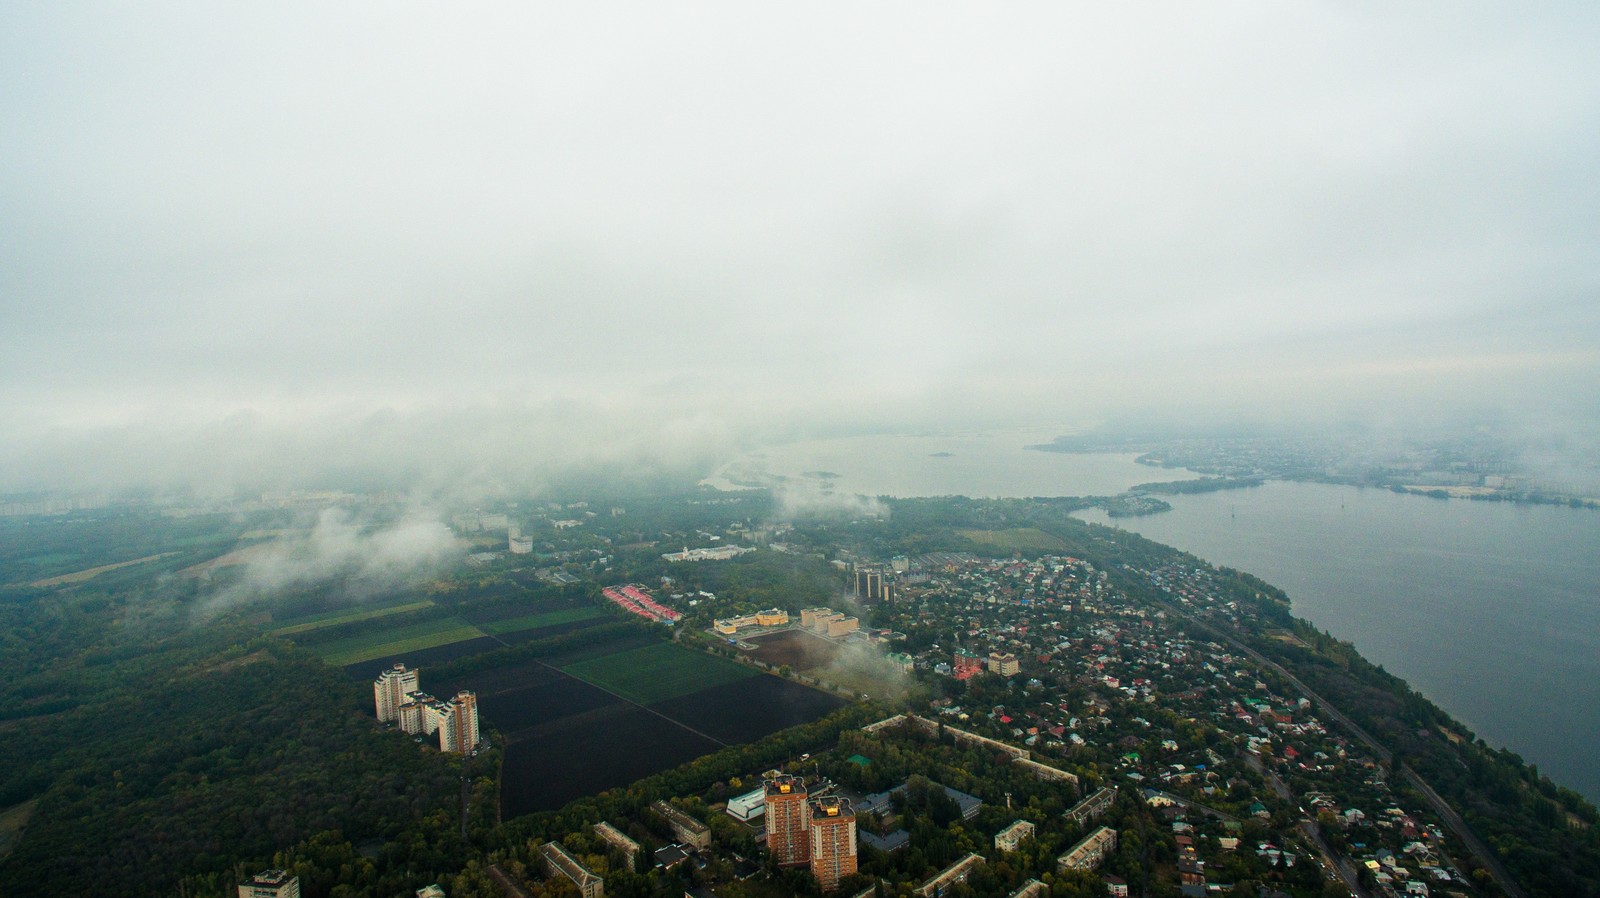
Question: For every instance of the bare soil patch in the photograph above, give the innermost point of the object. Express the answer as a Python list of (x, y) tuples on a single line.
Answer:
[(800, 650)]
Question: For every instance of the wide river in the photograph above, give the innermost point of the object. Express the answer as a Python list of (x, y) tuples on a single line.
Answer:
[(1490, 609)]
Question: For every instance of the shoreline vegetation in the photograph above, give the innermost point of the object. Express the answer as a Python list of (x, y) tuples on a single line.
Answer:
[(1239, 463)]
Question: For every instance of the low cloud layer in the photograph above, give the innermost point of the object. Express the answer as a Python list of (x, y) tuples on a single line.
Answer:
[(796, 499), (477, 245), (362, 560)]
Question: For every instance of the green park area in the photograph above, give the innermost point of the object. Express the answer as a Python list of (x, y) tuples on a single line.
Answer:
[(657, 672)]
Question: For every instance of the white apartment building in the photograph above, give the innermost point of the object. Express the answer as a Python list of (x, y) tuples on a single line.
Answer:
[(390, 689)]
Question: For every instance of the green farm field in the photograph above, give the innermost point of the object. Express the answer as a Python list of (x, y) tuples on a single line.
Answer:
[(344, 616), (657, 672), (380, 642), (547, 619)]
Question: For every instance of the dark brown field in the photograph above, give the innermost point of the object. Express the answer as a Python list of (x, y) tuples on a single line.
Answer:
[(565, 738), (556, 762), (746, 710), (796, 648), (421, 658)]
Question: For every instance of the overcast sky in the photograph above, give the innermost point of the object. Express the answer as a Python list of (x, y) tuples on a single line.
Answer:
[(338, 233)]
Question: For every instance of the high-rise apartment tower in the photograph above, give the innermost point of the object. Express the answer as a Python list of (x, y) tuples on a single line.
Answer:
[(458, 722), (389, 691), (833, 840), (788, 836)]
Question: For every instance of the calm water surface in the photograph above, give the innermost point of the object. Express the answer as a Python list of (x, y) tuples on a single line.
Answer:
[(986, 464), (1490, 609)]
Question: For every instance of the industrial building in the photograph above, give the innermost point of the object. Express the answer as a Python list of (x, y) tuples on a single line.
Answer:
[(749, 806), (833, 840), (714, 553)]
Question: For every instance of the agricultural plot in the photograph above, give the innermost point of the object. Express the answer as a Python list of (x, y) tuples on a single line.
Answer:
[(521, 710), (521, 606), (522, 636), (542, 620), (383, 641), (657, 672), (344, 616), (745, 710), (554, 763), (609, 647), (606, 715), (796, 648), (500, 679), (421, 658)]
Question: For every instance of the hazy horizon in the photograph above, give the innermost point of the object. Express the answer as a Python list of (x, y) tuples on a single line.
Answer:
[(447, 247)]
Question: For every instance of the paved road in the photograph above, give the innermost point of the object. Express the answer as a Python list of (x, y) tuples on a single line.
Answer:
[(1343, 866)]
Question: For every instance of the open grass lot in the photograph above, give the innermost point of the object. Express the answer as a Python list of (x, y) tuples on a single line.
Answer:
[(1021, 538), (556, 762), (745, 710), (545, 619), (657, 672), (344, 616)]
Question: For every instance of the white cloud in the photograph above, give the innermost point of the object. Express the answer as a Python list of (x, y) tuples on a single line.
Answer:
[(773, 218)]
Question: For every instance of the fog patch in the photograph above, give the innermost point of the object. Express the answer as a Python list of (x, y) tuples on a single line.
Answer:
[(863, 667), (363, 558), (795, 499)]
